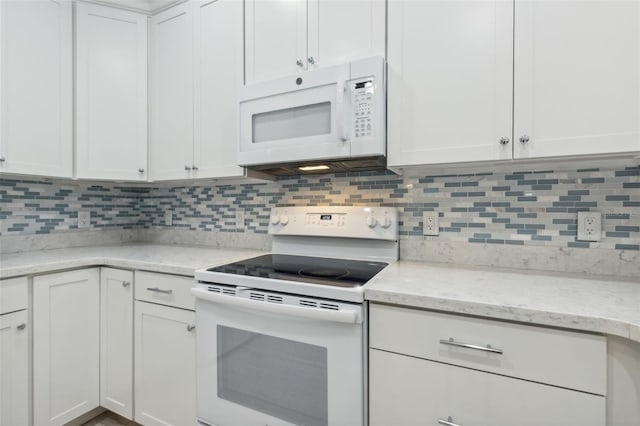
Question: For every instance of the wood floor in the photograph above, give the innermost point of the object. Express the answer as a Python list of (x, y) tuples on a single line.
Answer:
[(109, 419)]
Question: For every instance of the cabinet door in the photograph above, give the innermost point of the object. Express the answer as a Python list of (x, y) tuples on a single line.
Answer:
[(14, 369), (111, 93), (116, 341), (66, 346), (411, 391), (450, 66), (218, 28), (165, 365), (171, 141), (36, 87), (577, 89), (340, 31), (276, 38)]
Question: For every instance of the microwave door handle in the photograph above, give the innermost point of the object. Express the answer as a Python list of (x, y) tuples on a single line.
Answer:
[(347, 317), (341, 111)]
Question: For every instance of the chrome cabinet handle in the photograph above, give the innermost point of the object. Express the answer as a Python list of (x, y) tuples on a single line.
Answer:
[(159, 290), (126, 283), (141, 170), (187, 168), (300, 63), (191, 327), (504, 140), (21, 326), (2, 159), (448, 422), (194, 167), (524, 138), (487, 348), (311, 60)]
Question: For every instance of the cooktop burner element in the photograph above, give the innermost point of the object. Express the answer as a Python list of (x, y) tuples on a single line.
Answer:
[(311, 270)]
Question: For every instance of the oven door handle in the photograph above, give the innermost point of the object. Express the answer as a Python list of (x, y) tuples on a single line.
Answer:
[(347, 317)]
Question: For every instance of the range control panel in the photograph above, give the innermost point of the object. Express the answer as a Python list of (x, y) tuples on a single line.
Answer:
[(335, 221), (325, 219), (362, 101)]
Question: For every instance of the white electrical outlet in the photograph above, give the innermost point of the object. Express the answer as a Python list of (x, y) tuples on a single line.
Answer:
[(168, 217), (240, 219), (84, 219), (589, 226), (430, 223)]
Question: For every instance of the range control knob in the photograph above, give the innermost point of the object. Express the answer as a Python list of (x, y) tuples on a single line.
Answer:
[(284, 219), (371, 222), (275, 219), (386, 222)]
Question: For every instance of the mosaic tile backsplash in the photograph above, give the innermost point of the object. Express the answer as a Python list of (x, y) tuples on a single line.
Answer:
[(519, 208)]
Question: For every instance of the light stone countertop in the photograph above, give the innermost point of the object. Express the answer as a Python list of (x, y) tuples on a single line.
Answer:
[(576, 302), (571, 301), (169, 259)]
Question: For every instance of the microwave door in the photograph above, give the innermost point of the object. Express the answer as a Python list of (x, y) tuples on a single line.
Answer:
[(300, 125)]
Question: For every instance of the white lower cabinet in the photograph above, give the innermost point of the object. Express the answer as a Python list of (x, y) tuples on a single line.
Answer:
[(14, 353), (431, 368), (408, 391), (116, 341), (66, 345), (165, 354)]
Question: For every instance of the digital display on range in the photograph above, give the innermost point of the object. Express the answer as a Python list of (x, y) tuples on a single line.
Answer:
[(325, 217)]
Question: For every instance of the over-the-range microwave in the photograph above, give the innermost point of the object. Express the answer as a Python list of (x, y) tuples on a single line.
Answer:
[(326, 120)]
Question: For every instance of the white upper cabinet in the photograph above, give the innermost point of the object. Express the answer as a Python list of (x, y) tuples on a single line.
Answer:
[(171, 93), (577, 78), (218, 72), (276, 38), (36, 87), (449, 81), (111, 93), (287, 36), (574, 67), (340, 31)]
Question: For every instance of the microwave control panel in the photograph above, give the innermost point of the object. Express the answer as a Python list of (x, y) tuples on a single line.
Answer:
[(362, 108)]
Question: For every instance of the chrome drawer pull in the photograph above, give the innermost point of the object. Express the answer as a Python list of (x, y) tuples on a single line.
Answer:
[(159, 290), (448, 422), (487, 348), (126, 283), (21, 326), (190, 327)]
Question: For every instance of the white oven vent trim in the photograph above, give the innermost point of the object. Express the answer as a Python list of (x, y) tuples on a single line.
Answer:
[(282, 299)]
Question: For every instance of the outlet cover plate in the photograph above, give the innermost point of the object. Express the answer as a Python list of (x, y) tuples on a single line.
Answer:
[(431, 223), (589, 226), (84, 219)]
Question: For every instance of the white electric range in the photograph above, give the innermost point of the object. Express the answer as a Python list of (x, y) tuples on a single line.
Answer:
[(282, 337)]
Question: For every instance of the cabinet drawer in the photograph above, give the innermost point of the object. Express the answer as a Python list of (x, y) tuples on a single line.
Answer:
[(13, 294), (171, 290), (540, 354), (410, 391)]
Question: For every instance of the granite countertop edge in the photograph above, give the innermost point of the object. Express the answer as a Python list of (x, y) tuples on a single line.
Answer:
[(615, 308), (162, 258)]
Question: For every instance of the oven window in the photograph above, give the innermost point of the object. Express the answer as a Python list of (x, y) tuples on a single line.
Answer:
[(279, 377), (297, 122)]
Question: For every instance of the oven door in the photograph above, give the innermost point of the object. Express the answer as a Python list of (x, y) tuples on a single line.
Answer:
[(297, 118), (262, 363)]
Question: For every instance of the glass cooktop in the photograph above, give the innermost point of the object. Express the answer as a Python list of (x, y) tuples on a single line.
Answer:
[(312, 270)]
